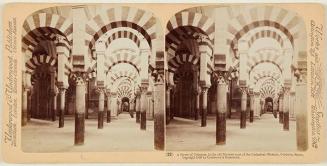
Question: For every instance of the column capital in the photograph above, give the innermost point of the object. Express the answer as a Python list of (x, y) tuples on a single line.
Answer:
[(286, 89), (300, 74), (158, 76), (100, 89), (54, 91), (243, 89), (221, 77), (250, 91), (204, 89), (100, 47), (257, 94), (80, 77), (143, 89)]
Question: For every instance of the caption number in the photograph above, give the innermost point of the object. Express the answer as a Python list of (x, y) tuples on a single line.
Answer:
[(169, 154)]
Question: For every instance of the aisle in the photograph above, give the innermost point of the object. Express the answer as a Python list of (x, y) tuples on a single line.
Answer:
[(264, 134), (122, 134)]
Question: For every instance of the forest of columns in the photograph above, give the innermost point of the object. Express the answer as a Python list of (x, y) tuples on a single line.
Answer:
[(254, 63)]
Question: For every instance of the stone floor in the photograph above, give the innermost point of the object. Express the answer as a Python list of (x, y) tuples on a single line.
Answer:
[(264, 134), (122, 134)]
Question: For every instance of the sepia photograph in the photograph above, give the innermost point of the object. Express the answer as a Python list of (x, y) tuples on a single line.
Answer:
[(163, 82), (236, 79), (92, 80)]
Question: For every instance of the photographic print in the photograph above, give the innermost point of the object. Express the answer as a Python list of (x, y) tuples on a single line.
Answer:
[(163, 83)]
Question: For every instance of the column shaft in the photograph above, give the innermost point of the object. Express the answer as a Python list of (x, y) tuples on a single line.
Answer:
[(108, 109), (167, 105), (204, 106), (143, 107), (101, 109), (24, 107), (221, 112), (62, 107), (159, 116), (286, 109), (243, 108), (79, 114), (280, 109)]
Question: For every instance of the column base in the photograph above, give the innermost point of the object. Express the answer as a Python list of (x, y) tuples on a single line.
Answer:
[(108, 116), (137, 117), (251, 116), (61, 119), (79, 128), (221, 129), (100, 119), (286, 121), (143, 121), (204, 118), (281, 117), (243, 120)]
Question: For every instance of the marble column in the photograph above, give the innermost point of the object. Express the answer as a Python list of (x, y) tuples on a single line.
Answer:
[(262, 103), (197, 109), (108, 108), (80, 111), (286, 107), (54, 104), (221, 109), (292, 105), (24, 106), (101, 107), (243, 107), (204, 93), (29, 104), (168, 104), (138, 106), (257, 104), (143, 107), (302, 139), (280, 108), (62, 94), (251, 95), (159, 114)]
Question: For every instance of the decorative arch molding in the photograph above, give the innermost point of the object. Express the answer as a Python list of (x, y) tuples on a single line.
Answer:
[(180, 59), (266, 16), (142, 21), (39, 60)]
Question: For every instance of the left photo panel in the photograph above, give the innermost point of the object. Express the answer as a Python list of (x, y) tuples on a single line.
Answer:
[(93, 80)]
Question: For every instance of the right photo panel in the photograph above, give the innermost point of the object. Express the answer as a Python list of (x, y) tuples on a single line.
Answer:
[(236, 79)]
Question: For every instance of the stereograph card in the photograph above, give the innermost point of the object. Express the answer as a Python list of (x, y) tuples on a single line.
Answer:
[(163, 83)]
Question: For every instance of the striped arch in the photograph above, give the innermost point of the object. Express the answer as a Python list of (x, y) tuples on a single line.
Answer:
[(266, 34), (142, 21), (267, 16), (130, 75), (192, 19), (265, 56), (35, 26), (124, 56), (123, 34), (124, 91), (180, 59), (266, 74), (39, 60), (268, 91), (182, 35)]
